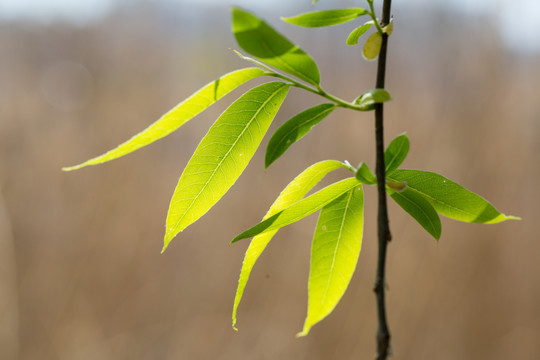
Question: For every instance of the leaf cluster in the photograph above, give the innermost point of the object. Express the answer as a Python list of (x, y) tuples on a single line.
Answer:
[(227, 148)]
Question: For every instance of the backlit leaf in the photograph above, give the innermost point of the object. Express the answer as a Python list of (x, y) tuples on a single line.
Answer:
[(295, 129), (262, 41), (353, 37), (222, 155), (178, 116), (448, 198), (396, 152), (334, 254), (420, 209), (325, 17), (294, 192), (300, 209), (372, 47)]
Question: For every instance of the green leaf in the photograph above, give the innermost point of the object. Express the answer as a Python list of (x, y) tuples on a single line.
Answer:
[(396, 152), (372, 47), (178, 116), (334, 254), (262, 41), (294, 192), (295, 129), (352, 40), (326, 17), (420, 209), (300, 209), (368, 99), (364, 175), (450, 199), (222, 155)]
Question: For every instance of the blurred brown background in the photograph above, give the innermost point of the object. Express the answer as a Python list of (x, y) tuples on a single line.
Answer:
[(81, 275)]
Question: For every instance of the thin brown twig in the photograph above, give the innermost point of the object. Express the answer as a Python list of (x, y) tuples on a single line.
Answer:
[(384, 236)]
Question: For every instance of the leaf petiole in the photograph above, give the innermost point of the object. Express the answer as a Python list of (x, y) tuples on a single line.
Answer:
[(372, 14), (318, 90)]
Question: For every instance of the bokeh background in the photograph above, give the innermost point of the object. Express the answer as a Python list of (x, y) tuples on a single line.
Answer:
[(81, 275)]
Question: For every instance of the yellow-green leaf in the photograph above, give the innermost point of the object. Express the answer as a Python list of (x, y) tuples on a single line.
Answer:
[(300, 209), (334, 254), (372, 47), (294, 192), (222, 155), (326, 17), (353, 37), (178, 115)]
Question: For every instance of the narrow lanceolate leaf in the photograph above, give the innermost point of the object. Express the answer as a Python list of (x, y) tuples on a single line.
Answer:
[(294, 192), (368, 99), (396, 152), (222, 155), (420, 209), (262, 41), (365, 175), (450, 199), (372, 47), (178, 116), (295, 129), (325, 17), (353, 37), (334, 254), (300, 209)]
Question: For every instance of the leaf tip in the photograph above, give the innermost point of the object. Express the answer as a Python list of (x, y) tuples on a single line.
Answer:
[(163, 249), (267, 163), (169, 235), (510, 217), (74, 167)]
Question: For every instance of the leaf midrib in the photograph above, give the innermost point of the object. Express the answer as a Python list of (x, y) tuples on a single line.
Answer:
[(227, 154), (337, 246)]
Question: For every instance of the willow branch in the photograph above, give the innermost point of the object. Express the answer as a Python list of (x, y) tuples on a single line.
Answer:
[(383, 333)]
